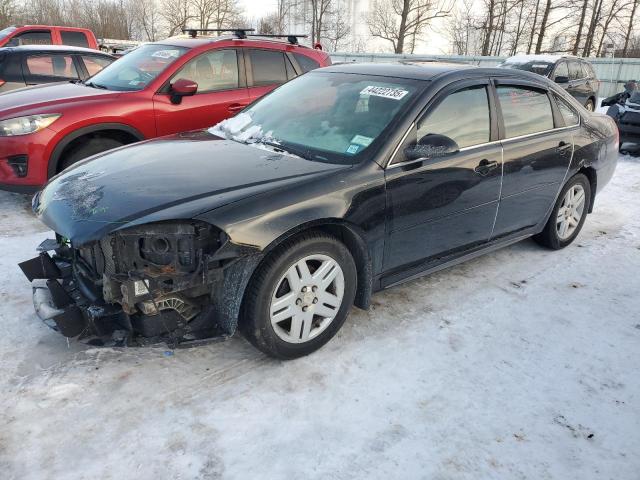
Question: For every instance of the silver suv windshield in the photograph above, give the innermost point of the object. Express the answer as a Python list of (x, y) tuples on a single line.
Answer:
[(326, 117), (136, 69)]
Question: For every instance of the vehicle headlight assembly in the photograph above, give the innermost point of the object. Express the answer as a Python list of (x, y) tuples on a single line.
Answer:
[(25, 125)]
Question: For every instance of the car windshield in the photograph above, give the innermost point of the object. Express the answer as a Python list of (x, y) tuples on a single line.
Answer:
[(537, 66), (137, 69), (6, 32), (325, 117)]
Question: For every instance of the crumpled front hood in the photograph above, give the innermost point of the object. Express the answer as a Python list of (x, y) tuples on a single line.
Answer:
[(41, 98), (168, 178)]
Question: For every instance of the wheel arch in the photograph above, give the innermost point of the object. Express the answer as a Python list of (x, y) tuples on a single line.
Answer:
[(353, 238), (592, 176), (70, 139)]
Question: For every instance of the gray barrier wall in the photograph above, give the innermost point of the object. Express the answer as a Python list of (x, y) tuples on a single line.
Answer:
[(612, 72)]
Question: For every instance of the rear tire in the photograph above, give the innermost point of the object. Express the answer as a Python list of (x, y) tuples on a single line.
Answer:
[(84, 150), (568, 215), (300, 296), (590, 105)]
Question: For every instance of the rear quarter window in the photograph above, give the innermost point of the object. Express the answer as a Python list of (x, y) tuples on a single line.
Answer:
[(94, 63), (524, 110), (569, 114), (307, 64)]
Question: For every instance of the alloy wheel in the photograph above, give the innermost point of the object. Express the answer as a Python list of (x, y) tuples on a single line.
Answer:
[(570, 211), (307, 298)]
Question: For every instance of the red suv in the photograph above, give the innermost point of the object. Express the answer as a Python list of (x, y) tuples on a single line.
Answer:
[(157, 89)]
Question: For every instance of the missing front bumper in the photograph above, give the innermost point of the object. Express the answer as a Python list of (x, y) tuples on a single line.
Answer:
[(66, 304)]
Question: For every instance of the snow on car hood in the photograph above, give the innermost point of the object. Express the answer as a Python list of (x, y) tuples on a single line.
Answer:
[(172, 177)]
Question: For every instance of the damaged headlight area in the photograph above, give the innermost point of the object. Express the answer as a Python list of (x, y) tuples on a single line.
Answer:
[(141, 285)]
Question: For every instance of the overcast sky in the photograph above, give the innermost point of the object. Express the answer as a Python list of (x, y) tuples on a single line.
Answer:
[(433, 42)]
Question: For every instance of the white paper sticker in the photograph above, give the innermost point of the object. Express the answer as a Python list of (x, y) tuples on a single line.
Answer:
[(140, 287), (362, 140), (386, 92)]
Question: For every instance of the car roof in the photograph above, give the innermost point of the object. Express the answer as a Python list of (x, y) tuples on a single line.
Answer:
[(190, 42), (410, 70), (53, 48), (542, 58), (431, 71)]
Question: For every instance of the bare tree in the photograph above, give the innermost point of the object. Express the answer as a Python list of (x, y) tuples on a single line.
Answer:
[(8, 12), (397, 21), (629, 29), (177, 14)]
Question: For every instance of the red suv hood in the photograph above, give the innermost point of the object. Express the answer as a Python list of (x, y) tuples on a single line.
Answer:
[(32, 100)]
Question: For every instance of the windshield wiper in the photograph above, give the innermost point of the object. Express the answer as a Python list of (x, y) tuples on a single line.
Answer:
[(278, 146), (95, 85)]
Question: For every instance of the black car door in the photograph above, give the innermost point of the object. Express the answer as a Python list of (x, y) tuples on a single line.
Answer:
[(537, 150), (438, 206)]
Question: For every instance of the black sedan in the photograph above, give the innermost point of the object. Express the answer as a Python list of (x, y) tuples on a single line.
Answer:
[(345, 181), (39, 64)]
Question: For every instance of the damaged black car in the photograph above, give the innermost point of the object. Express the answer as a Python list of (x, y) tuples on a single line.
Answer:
[(345, 181)]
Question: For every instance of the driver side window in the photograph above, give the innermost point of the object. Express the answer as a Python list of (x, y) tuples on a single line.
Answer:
[(462, 116), (212, 71)]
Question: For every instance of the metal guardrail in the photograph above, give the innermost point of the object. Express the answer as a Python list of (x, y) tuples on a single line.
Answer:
[(613, 73)]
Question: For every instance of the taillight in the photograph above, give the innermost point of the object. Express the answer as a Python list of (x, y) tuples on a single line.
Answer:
[(2, 82)]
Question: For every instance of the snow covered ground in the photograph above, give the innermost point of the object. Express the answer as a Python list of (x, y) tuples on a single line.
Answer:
[(522, 364)]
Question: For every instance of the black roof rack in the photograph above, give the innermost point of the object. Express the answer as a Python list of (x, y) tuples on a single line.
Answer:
[(291, 37), (238, 32)]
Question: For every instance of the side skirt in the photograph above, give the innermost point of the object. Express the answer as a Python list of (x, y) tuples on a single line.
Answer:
[(457, 260)]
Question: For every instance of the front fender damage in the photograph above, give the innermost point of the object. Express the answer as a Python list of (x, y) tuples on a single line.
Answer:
[(178, 283)]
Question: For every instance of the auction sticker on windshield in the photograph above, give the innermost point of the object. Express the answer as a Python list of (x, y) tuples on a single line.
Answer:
[(386, 92)]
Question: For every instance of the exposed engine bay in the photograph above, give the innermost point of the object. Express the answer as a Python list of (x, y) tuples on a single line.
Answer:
[(147, 284)]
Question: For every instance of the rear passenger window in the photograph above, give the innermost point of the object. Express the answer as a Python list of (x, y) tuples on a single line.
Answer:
[(94, 64), (51, 66), (575, 71), (32, 38), (524, 110), (569, 115), (307, 64), (77, 39), (462, 116), (268, 67)]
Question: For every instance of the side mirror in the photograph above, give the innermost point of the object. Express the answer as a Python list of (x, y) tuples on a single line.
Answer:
[(182, 88), (562, 79), (432, 145)]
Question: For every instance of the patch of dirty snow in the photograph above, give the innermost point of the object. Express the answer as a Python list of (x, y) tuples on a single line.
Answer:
[(521, 364)]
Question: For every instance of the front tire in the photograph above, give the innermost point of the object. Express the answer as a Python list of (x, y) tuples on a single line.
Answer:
[(568, 215), (300, 296), (91, 147)]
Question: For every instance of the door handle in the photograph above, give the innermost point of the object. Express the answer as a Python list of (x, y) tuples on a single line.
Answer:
[(485, 166), (235, 107), (563, 147)]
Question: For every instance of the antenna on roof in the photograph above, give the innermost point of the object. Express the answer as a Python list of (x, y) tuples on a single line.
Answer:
[(292, 38), (237, 32)]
